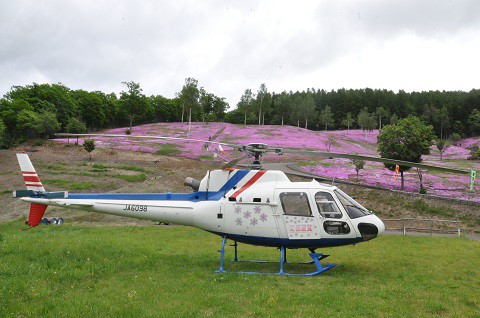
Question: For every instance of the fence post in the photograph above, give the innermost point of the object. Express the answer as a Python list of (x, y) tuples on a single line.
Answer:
[(404, 228), (458, 227)]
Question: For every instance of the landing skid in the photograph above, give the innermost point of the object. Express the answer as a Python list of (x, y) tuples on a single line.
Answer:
[(316, 258)]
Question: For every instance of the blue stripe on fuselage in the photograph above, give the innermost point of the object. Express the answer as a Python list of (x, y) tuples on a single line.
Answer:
[(193, 196), (288, 243)]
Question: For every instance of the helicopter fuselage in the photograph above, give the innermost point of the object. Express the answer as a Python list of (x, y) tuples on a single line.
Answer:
[(256, 207)]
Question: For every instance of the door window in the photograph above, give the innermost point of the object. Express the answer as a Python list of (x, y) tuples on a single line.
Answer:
[(295, 203), (327, 206)]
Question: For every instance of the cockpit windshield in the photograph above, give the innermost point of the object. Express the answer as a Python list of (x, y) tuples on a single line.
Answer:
[(353, 208)]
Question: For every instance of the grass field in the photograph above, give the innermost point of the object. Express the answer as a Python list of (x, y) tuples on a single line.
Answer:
[(152, 271)]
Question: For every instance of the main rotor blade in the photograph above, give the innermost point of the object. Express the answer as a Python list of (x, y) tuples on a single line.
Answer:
[(374, 159), (233, 162), (234, 146)]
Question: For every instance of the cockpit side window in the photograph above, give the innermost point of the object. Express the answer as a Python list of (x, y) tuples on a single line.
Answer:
[(353, 208), (327, 206), (295, 203)]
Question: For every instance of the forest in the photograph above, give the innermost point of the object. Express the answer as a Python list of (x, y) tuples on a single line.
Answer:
[(40, 110)]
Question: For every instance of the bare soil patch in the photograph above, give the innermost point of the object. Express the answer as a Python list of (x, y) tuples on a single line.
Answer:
[(58, 164)]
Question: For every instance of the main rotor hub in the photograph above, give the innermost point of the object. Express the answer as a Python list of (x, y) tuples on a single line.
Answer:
[(256, 150)]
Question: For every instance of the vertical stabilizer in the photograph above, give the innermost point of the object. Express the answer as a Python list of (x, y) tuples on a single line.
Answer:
[(32, 181), (36, 213), (29, 174)]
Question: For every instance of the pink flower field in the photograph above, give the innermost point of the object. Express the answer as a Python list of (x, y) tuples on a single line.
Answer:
[(352, 142)]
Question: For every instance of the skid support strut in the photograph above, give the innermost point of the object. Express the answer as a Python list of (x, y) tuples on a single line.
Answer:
[(316, 258), (222, 255)]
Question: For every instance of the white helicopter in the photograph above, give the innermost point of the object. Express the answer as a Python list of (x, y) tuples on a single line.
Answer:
[(252, 206)]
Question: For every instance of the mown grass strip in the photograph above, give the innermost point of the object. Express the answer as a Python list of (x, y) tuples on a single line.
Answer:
[(131, 178), (168, 149), (59, 271), (70, 185), (102, 167), (422, 206)]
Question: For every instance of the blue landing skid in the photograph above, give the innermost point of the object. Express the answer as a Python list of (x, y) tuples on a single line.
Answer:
[(316, 257)]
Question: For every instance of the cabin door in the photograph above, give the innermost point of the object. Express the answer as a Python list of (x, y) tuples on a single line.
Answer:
[(298, 216)]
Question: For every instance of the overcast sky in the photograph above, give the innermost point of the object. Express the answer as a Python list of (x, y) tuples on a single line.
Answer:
[(230, 46)]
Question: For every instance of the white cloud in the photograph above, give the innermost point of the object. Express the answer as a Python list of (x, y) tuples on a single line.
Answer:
[(230, 46)]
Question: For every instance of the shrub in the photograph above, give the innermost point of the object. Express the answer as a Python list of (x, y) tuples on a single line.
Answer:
[(474, 153), (455, 138), (89, 145), (423, 190)]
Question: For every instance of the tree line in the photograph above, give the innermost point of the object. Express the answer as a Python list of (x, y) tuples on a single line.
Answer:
[(40, 110), (448, 112)]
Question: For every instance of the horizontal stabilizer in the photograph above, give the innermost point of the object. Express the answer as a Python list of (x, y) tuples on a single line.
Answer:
[(23, 193), (46, 195)]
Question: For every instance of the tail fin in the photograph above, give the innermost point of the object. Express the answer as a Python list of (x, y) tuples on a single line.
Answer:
[(36, 213), (29, 174), (33, 183)]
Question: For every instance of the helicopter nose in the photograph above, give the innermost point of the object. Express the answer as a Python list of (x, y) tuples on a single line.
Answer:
[(380, 226), (372, 228)]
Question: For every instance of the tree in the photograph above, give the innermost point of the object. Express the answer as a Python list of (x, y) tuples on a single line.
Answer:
[(359, 165), (330, 142), (261, 102), (363, 119), (89, 145), (394, 119), (190, 98), (219, 108), (442, 146), (133, 102), (348, 121), (2, 131), (308, 108), (205, 101), (441, 117), (245, 103), (296, 109), (283, 105), (408, 140), (27, 124), (326, 117), (366, 121), (381, 112), (75, 126), (92, 109), (47, 124), (474, 122)]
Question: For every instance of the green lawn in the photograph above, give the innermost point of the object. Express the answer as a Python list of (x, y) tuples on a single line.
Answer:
[(73, 270)]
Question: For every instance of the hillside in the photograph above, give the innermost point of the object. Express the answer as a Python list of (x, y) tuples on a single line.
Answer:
[(352, 141), (63, 166)]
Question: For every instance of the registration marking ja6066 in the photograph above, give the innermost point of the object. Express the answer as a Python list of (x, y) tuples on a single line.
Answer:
[(133, 207)]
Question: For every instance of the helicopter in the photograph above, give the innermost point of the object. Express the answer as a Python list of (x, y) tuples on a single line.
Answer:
[(251, 206)]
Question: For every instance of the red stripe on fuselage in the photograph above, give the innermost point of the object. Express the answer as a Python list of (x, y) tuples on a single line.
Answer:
[(249, 183), (29, 172)]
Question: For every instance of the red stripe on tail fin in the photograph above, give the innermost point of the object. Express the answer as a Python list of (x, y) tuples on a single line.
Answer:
[(36, 213)]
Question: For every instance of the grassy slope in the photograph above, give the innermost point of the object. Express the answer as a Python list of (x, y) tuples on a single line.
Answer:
[(169, 271)]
